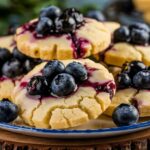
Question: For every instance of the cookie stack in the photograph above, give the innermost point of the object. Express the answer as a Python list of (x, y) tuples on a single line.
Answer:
[(66, 89), (66, 70)]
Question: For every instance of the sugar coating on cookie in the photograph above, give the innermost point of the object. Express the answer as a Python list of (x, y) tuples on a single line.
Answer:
[(91, 38), (64, 112)]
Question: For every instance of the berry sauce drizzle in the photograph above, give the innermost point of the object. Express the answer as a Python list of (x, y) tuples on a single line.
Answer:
[(3, 78), (108, 87), (78, 44)]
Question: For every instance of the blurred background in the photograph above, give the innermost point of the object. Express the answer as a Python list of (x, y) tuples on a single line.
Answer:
[(16, 12)]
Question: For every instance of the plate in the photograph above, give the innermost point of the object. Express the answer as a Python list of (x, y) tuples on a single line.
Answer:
[(49, 133)]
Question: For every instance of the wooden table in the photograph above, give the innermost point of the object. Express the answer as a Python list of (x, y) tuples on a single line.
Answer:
[(134, 141)]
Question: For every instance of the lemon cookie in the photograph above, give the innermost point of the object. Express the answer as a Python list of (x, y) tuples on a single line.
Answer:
[(68, 35), (64, 94), (130, 43), (142, 5), (133, 87), (112, 26)]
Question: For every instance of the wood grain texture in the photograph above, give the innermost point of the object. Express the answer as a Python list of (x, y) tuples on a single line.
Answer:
[(134, 141)]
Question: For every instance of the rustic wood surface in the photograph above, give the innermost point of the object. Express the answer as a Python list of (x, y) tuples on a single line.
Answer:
[(135, 141)]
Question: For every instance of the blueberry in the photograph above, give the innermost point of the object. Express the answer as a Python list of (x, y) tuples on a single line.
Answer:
[(44, 26), (51, 12), (142, 80), (96, 14), (58, 25), (4, 55), (63, 84), (123, 80), (68, 24), (139, 36), (133, 67), (53, 68), (12, 68), (122, 34), (17, 54), (75, 14), (38, 85), (141, 26), (77, 70), (125, 115), (8, 111), (29, 65)]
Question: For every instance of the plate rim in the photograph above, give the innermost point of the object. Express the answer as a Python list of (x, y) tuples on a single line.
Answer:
[(74, 131)]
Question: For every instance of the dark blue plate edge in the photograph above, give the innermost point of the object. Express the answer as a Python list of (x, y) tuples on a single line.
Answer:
[(54, 131)]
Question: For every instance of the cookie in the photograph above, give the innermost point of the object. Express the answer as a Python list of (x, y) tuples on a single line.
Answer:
[(112, 26), (121, 96), (85, 104), (121, 53), (132, 88), (142, 5), (7, 42), (146, 16), (6, 88), (129, 43), (91, 37)]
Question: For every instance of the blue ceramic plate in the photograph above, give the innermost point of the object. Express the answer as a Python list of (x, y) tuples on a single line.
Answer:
[(75, 133)]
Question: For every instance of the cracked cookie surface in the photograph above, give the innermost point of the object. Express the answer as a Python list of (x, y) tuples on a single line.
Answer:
[(91, 38), (65, 112)]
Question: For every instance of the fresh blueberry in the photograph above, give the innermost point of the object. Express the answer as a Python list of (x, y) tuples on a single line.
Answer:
[(8, 111), (58, 25), (133, 67), (125, 115), (77, 70), (17, 54), (51, 12), (122, 34), (68, 24), (139, 36), (44, 26), (52, 68), (4, 55), (75, 14), (38, 85), (12, 68), (29, 65), (142, 80), (123, 80), (62, 85), (96, 14), (140, 26)]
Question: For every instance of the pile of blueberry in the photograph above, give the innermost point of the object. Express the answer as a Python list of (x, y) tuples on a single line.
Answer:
[(8, 111), (134, 74), (15, 64), (57, 80), (53, 20), (138, 33)]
